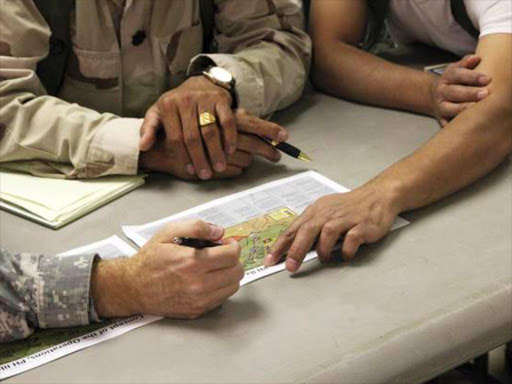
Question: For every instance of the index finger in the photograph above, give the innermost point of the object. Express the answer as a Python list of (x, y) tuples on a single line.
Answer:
[(263, 128), (221, 257), (469, 61), (283, 242), (228, 125), (463, 76), (302, 244)]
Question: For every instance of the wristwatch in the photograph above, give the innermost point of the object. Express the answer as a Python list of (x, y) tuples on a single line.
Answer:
[(224, 79)]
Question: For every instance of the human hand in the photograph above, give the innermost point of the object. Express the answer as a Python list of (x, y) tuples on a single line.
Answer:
[(250, 131), (178, 112), (459, 87), (167, 279), (174, 158), (363, 215), (199, 149)]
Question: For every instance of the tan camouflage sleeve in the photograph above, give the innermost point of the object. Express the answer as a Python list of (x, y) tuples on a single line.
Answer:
[(39, 291), (263, 44), (44, 135)]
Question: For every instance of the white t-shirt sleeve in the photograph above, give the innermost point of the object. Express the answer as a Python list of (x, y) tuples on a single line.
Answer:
[(490, 16)]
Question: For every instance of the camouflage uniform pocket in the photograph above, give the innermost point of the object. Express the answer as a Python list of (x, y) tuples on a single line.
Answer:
[(93, 80), (179, 48), (98, 70)]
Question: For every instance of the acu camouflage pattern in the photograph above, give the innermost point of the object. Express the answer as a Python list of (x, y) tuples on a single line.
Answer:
[(39, 291), (92, 127)]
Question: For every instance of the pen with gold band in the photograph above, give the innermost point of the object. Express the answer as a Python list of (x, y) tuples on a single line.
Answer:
[(290, 150)]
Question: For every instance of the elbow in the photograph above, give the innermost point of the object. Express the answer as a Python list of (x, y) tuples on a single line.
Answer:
[(320, 75), (318, 78), (504, 113)]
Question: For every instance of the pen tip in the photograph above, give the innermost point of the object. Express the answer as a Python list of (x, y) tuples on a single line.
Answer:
[(305, 157)]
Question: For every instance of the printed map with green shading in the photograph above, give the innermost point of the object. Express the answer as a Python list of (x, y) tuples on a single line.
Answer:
[(256, 236), (43, 339)]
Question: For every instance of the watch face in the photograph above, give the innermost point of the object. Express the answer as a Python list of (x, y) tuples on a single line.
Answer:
[(220, 74)]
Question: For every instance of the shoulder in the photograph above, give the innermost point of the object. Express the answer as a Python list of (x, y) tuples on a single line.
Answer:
[(490, 16), (24, 30)]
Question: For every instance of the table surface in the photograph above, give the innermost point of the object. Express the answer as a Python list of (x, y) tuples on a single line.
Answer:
[(420, 302)]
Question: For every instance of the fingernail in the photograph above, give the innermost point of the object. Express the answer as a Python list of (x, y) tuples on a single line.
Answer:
[(484, 79), (292, 265), (482, 94), (215, 231), (190, 169), (268, 260), (205, 174), (219, 167), (283, 136), (231, 149)]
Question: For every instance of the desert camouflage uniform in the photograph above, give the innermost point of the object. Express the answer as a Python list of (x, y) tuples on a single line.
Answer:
[(92, 127), (43, 292)]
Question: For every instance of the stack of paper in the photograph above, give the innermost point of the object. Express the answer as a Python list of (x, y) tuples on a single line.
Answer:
[(57, 202)]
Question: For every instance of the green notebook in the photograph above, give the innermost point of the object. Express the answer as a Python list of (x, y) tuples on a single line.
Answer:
[(57, 202)]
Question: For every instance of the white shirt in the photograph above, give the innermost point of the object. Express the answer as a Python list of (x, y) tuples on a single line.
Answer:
[(431, 22)]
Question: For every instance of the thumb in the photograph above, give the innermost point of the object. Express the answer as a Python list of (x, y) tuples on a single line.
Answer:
[(470, 61), (198, 229), (150, 126)]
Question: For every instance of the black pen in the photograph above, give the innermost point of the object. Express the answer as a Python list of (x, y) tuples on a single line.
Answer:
[(289, 149), (194, 243)]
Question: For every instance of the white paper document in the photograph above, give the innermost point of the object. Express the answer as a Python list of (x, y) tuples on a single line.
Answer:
[(295, 192), (48, 345)]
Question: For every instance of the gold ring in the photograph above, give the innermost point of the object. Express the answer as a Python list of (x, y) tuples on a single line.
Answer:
[(206, 118)]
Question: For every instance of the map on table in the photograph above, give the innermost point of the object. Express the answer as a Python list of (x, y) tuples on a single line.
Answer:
[(256, 236), (254, 217), (250, 215)]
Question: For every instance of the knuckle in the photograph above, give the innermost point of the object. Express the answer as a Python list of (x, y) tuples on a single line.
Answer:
[(235, 289), (186, 100), (189, 263), (222, 96), (444, 107), (166, 102), (294, 251), (329, 229), (209, 133), (194, 313), (193, 140), (354, 237), (198, 226), (201, 305), (235, 255), (451, 67), (228, 121), (196, 288), (289, 234), (174, 139), (308, 227), (241, 272)]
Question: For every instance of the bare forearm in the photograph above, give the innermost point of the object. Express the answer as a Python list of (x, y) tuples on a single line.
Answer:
[(469, 147), (348, 72), (112, 288)]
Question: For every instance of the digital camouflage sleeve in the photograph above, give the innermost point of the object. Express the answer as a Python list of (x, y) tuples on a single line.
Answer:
[(38, 291)]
